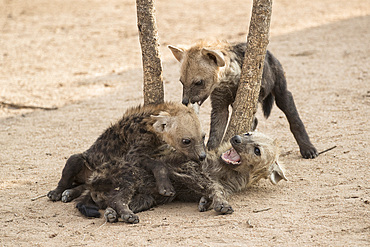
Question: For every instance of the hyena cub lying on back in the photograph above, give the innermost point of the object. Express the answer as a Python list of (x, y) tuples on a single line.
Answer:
[(213, 69), (136, 138), (131, 189)]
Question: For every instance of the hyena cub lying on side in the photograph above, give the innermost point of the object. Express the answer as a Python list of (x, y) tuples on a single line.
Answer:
[(213, 69), (136, 138), (131, 189)]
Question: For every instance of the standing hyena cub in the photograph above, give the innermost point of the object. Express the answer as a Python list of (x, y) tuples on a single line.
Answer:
[(213, 69), (131, 189), (136, 138)]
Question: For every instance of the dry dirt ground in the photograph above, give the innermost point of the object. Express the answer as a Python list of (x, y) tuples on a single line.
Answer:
[(84, 58)]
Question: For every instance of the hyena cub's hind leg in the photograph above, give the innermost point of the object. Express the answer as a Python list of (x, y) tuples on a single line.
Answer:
[(74, 170), (285, 102)]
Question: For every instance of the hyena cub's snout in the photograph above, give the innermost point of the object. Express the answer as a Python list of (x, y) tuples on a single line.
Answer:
[(185, 134), (195, 99), (236, 140), (196, 150), (185, 101), (202, 155), (239, 142)]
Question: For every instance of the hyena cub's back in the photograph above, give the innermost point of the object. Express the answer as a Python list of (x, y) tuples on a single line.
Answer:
[(213, 69), (136, 137)]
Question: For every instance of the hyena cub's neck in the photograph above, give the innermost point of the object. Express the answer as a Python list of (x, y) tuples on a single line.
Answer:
[(230, 74), (234, 55)]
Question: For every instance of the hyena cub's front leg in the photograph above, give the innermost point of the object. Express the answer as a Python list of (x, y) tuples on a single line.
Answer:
[(200, 183), (219, 117), (127, 215), (218, 199), (220, 205), (158, 169), (110, 215), (163, 181)]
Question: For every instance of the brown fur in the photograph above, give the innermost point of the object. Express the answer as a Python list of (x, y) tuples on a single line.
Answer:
[(132, 189), (136, 138), (212, 69)]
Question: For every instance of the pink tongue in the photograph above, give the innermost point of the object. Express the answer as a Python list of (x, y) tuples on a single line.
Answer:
[(232, 155)]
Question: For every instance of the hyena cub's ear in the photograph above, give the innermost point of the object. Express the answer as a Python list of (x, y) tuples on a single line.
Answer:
[(215, 56), (277, 173), (163, 122), (177, 52)]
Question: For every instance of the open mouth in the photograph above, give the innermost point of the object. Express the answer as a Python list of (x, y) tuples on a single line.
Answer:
[(200, 102), (231, 157)]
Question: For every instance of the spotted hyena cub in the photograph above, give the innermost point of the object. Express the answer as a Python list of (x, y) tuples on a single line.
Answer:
[(232, 168), (213, 69), (137, 138)]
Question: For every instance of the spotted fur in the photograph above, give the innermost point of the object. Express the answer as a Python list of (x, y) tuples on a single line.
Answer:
[(128, 189), (212, 69), (136, 138)]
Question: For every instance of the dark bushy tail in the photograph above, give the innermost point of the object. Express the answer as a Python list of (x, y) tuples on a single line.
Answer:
[(87, 206), (267, 104)]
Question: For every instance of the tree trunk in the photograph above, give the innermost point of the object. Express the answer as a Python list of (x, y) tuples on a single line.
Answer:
[(152, 66), (245, 105)]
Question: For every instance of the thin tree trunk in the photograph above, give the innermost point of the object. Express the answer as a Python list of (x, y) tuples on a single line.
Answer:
[(245, 105), (152, 66)]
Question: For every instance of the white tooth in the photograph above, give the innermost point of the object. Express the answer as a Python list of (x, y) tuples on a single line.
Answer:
[(199, 102)]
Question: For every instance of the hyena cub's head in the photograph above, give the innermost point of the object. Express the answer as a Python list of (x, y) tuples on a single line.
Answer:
[(254, 154), (181, 130), (201, 66)]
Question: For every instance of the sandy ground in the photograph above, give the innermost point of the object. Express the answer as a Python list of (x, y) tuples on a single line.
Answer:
[(84, 58)]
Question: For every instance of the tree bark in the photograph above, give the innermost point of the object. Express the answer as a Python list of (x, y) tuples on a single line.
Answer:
[(152, 66), (245, 104)]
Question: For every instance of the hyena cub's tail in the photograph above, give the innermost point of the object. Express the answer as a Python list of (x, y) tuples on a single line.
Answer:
[(267, 104), (87, 206)]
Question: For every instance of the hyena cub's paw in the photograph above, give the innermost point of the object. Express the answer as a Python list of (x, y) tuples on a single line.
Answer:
[(130, 218), (204, 204), (309, 152), (54, 195), (67, 196), (110, 215), (223, 208), (166, 189)]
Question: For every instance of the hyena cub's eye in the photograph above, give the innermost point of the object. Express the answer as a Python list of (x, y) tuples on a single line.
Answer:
[(199, 83), (186, 141), (257, 151)]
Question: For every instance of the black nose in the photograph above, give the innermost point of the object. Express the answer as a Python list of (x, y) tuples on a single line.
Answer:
[(185, 101), (202, 156), (236, 140)]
